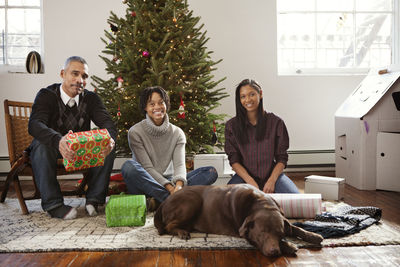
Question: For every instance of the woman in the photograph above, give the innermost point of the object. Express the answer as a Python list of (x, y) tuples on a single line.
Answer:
[(157, 168), (256, 143)]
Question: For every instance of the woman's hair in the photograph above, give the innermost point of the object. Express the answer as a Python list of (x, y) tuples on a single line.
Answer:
[(241, 113), (147, 93)]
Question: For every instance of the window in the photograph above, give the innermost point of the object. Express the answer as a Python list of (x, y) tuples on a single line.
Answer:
[(340, 36), (20, 29)]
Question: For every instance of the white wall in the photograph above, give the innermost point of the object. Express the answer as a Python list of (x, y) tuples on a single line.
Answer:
[(242, 33)]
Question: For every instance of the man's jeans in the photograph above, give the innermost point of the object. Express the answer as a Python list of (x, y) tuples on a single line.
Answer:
[(139, 181), (282, 185), (44, 165)]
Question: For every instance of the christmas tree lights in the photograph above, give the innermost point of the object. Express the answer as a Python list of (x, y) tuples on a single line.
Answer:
[(158, 42)]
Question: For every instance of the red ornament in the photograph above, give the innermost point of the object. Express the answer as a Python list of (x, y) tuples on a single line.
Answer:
[(120, 81), (145, 53), (133, 14), (119, 111), (181, 112)]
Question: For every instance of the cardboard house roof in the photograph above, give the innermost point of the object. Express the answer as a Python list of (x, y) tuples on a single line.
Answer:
[(368, 93)]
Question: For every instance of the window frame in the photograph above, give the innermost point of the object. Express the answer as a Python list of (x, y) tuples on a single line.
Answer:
[(395, 52), (4, 68)]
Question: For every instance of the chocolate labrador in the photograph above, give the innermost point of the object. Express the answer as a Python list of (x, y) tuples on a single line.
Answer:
[(236, 210)]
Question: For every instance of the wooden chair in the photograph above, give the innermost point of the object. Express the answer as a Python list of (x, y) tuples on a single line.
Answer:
[(18, 139)]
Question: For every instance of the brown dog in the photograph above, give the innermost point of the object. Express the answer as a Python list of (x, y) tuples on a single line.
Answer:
[(236, 210)]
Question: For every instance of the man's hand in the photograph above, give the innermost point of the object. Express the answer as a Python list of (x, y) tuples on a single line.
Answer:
[(109, 148), (65, 151)]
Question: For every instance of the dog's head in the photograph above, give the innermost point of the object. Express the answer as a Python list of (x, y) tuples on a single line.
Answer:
[(266, 231)]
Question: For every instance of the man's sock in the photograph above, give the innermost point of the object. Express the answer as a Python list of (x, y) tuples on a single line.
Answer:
[(64, 212), (92, 208)]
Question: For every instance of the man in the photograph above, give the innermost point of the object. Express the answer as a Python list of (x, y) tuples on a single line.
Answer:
[(57, 110)]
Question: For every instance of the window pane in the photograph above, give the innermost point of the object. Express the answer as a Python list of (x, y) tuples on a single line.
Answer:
[(336, 5), (2, 2), (373, 40), (23, 21), (295, 5), (17, 55), (326, 34), (374, 5), (296, 41), (2, 20), (2, 33), (23, 34), (24, 2), (334, 35)]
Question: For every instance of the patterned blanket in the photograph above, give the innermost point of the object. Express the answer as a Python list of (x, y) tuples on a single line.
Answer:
[(344, 221)]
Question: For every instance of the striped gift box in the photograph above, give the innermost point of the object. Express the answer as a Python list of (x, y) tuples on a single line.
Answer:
[(126, 210), (299, 205)]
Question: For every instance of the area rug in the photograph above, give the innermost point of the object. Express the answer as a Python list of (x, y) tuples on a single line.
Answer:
[(37, 232)]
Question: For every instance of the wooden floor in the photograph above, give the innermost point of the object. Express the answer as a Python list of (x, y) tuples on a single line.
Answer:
[(389, 202)]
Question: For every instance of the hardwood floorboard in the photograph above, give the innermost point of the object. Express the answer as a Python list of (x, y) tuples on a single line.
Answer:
[(388, 201)]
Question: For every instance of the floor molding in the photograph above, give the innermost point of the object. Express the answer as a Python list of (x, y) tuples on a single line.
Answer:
[(299, 160)]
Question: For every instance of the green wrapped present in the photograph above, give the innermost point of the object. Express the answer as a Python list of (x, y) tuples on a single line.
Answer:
[(126, 210)]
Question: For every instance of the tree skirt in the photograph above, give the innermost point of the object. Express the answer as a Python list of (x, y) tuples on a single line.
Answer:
[(38, 232)]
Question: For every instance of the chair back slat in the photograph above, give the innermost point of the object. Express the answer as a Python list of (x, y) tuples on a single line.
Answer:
[(16, 119)]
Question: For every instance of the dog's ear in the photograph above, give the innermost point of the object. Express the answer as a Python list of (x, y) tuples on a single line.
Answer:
[(246, 226), (277, 204), (241, 204)]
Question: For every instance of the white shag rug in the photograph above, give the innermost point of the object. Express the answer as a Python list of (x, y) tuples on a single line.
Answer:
[(38, 232)]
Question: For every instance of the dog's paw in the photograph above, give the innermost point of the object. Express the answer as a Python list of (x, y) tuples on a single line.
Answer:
[(288, 248), (315, 238), (183, 234)]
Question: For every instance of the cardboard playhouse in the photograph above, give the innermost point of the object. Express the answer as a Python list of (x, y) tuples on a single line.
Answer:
[(367, 133)]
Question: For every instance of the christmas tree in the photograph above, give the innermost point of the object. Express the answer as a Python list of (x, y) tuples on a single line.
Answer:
[(159, 42)]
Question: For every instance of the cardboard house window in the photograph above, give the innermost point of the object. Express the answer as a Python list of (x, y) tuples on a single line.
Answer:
[(331, 37), (20, 32)]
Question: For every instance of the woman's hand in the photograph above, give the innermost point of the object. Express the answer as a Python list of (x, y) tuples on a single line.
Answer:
[(269, 186), (173, 189), (253, 183), (170, 188), (178, 186)]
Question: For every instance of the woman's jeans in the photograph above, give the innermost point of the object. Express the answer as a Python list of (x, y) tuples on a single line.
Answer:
[(44, 166), (282, 185), (139, 181)]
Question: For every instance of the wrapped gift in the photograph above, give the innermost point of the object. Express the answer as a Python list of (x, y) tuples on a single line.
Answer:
[(89, 146), (126, 210), (299, 205)]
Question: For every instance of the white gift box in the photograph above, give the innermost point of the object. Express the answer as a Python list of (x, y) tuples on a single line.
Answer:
[(219, 161), (331, 188), (299, 205)]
